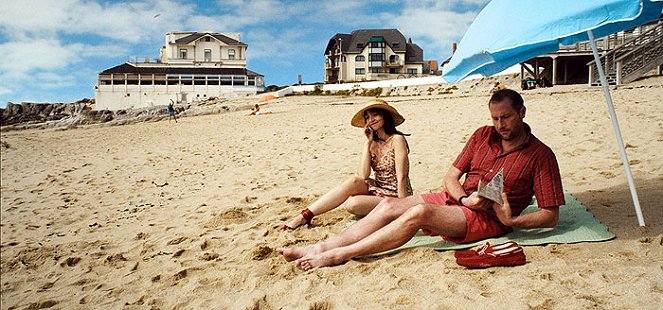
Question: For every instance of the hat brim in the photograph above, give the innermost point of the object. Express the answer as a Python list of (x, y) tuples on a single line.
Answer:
[(359, 121)]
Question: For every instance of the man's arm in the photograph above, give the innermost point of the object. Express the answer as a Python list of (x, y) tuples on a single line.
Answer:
[(452, 183), (545, 217), (456, 191)]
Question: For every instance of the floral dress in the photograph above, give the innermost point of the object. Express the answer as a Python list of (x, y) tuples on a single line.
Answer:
[(385, 182)]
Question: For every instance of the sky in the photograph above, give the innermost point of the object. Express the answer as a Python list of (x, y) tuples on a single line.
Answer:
[(53, 49)]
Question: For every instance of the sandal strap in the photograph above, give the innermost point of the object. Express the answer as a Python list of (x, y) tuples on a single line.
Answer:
[(308, 215)]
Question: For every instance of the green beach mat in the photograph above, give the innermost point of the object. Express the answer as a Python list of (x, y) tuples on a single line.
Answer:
[(575, 224)]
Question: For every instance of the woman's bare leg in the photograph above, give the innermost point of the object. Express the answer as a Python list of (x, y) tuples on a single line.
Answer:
[(332, 199), (361, 205)]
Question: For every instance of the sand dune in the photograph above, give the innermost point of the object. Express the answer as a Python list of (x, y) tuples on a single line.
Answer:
[(177, 216)]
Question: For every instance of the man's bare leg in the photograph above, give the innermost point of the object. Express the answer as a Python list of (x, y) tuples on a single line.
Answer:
[(444, 220), (385, 212)]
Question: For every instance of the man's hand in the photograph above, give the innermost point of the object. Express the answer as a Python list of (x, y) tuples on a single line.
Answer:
[(475, 202), (503, 212)]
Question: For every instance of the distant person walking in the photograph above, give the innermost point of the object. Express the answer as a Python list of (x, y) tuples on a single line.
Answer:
[(171, 111)]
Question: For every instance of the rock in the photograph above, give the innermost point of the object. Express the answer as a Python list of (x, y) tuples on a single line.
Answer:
[(64, 116)]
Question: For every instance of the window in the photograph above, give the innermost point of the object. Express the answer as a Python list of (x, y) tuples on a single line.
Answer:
[(360, 58), (186, 80), (360, 71), (411, 70), (376, 57), (208, 54), (376, 70), (393, 58), (208, 39), (183, 53), (231, 54), (377, 44), (395, 44)]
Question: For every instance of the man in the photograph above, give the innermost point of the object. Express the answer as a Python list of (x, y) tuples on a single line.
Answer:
[(458, 213), (171, 111)]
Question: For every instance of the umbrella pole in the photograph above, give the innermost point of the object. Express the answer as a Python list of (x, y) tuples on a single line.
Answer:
[(615, 125)]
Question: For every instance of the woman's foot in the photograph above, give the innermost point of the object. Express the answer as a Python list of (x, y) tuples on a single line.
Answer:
[(294, 223), (305, 217), (324, 259)]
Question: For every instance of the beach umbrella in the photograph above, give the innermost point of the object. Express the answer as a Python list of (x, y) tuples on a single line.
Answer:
[(508, 32)]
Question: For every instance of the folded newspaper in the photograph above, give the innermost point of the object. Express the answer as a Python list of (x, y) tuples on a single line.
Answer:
[(493, 190)]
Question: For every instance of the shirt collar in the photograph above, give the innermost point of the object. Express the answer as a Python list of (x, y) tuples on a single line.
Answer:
[(496, 140)]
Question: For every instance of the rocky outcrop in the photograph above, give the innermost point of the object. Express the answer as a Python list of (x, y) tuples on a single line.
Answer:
[(27, 112), (70, 115)]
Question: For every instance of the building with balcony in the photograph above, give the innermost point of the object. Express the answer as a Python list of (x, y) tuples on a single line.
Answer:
[(371, 55), (191, 66)]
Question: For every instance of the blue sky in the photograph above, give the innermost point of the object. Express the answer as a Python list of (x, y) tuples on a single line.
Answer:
[(53, 49)]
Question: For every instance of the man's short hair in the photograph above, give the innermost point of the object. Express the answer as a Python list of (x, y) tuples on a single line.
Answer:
[(513, 96)]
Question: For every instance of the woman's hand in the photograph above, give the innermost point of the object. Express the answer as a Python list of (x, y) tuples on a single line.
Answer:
[(475, 202), (368, 132)]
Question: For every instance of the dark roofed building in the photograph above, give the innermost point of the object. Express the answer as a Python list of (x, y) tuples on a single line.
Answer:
[(192, 66), (372, 54)]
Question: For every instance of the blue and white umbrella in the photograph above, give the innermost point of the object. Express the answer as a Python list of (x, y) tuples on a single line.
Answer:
[(508, 32)]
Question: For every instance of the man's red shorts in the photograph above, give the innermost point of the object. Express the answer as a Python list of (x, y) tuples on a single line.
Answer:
[(481, 224)]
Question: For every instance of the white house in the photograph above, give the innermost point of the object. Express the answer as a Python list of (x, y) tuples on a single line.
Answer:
[(192, 66), (372, 55)]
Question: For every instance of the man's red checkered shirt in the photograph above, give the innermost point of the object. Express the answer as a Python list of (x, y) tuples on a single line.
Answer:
[(530, 169)]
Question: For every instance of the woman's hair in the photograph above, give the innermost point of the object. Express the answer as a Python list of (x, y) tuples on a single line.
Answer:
[(389, 127)]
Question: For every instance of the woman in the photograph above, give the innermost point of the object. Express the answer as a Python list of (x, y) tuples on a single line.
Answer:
[(385, 152)]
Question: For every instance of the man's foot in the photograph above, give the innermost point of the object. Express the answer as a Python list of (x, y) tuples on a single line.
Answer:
[(324, 259), (293, 253)]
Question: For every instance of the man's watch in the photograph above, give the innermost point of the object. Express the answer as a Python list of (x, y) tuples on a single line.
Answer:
[(460, 200)]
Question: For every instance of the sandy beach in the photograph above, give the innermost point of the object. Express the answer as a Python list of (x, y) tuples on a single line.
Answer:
[(185, 216)]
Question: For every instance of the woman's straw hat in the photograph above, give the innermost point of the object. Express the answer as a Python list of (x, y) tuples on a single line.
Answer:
[(359, 121)]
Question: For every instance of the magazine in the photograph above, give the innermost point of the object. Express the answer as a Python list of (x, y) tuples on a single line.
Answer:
[(494, 189)]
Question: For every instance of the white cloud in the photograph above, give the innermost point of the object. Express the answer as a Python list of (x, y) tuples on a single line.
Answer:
[(22, 57), (5, 91), (241, 14), (435, 25), (290, 45), (124, 21), (46, 38), (54, 80)]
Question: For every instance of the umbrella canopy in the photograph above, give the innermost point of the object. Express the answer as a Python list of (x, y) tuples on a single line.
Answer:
[(507, 32)]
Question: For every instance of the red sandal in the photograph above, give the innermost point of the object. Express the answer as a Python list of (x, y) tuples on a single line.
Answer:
[(509, 256), (306, 214), (486, 248)]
